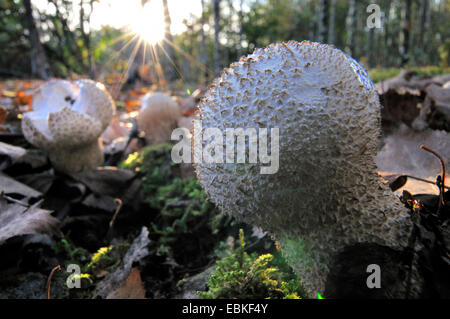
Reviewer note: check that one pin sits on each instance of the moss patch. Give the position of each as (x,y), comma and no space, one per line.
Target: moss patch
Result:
(247,276)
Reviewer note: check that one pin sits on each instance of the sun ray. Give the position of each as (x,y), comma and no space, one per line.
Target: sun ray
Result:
(202,66)
(118,86)
(171,60)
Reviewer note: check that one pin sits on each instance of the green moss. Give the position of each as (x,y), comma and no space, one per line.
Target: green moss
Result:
(380,74)
(247,276)
(66,250)
(150,158)
(184,215)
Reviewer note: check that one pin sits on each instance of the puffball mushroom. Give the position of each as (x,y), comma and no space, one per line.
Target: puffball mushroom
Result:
(327,194)
(67,120)
(158,117)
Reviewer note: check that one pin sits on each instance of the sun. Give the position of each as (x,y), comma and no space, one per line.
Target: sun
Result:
(149,24)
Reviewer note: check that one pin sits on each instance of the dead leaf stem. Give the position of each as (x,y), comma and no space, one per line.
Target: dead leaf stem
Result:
(49,280)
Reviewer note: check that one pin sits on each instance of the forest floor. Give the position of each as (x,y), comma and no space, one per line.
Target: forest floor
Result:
(141,226)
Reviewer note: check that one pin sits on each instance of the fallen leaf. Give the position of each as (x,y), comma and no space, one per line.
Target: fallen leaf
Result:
(16,220)
(7,93)
(401,153)
(132,105)
(23,99)
(11,151)
(107,180)
(9,185)
(3,115)
(395,181)
(10,154)
(131,288)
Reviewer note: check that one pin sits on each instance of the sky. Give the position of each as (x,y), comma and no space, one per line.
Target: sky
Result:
(120,13)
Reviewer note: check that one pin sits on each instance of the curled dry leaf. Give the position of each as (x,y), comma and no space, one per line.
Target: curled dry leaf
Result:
(131,288)
(395,181)
(9,185)
(18,220)
(11,151)
(11,154)
(109,181)
(401,153)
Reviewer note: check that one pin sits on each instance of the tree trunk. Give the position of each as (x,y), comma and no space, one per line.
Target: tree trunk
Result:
(387,36)
(203,53)
(331,24)
(168,51)
(217,55)
(39,63)
(423,31)
(322,21)
(351,24)
(370,49)
(240,17)
(87,36)
(405,34)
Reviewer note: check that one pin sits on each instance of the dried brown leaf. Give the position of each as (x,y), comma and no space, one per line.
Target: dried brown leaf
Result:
(131,288)
(18,220)
(395,181)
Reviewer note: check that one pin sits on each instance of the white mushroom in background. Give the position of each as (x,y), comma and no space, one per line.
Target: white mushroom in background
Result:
(158,117)
(326,194)
(67,120)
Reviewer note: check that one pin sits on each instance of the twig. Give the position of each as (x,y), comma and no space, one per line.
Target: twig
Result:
(424,180)
(119,206)
(440,181)
(49,280)
(110,232)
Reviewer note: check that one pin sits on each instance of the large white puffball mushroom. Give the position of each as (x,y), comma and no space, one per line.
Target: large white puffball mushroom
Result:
(326,194)
(158,117)
(67,120)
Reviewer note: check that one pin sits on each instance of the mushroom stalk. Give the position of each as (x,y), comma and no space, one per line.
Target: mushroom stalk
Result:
(84,157)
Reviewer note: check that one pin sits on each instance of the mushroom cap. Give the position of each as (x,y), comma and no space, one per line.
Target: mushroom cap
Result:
(158,117)
(67,120)
(68,115)
(326,193)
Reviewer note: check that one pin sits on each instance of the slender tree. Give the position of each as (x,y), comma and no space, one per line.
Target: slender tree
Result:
(203,53)
(351,28)
(424,27)
(370,49)
(331,24)
(85,18)
(322,21)
(405,33)
(240,19)
(168,56)
(217,55)
(39,63)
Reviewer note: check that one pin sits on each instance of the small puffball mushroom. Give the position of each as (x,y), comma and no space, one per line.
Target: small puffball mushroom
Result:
(67,120)
(326,194)
(158,117)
